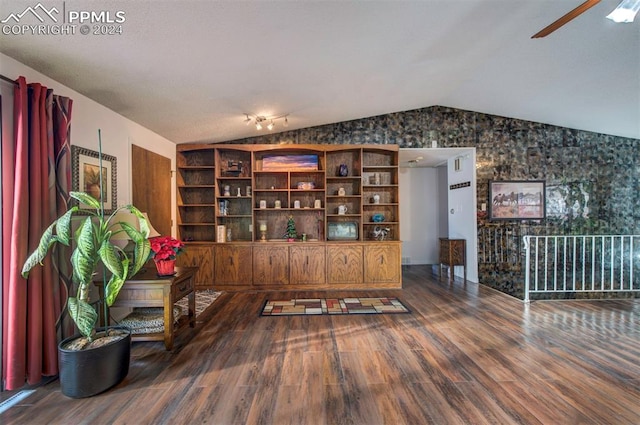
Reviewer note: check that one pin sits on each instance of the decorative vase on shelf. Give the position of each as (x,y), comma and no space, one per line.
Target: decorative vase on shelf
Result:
(343,170)
(377,218)
(165,267)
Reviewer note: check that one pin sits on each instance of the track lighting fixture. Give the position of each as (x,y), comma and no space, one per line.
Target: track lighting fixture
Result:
(259,119)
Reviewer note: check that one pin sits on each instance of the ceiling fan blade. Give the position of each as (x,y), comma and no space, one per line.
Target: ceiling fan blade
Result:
(566,18)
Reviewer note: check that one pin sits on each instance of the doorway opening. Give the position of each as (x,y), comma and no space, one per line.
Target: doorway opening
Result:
(438,199)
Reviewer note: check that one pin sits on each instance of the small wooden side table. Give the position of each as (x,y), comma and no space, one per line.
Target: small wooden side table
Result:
(147,289)
(453,253)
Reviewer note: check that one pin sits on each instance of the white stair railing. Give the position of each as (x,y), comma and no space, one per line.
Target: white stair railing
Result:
(581,264)
(499,245)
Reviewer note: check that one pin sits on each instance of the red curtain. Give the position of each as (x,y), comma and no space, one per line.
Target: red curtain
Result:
(30,204)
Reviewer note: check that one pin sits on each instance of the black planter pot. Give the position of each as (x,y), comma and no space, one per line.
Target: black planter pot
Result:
(86,373)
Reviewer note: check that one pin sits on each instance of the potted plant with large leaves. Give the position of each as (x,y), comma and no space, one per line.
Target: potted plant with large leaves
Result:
(87,365)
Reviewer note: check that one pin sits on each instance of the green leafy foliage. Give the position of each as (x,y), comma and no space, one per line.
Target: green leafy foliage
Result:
(113,288)
(92,247)
(84,316)
(86,199)
(36,257)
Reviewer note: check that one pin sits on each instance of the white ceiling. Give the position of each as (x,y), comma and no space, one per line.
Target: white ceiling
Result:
(189,70)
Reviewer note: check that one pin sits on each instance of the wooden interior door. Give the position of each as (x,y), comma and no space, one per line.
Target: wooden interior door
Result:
(151,187)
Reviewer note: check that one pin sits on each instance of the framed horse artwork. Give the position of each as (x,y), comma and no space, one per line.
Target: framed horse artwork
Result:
(517,200)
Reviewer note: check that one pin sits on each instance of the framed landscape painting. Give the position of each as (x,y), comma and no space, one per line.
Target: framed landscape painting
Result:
(85,176)
(290,163)
(517,200)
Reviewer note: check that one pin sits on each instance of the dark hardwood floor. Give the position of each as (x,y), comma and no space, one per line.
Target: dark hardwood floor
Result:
(465,355)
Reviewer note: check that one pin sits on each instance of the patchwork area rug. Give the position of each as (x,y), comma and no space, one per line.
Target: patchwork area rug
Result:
(145,320)
(314,306)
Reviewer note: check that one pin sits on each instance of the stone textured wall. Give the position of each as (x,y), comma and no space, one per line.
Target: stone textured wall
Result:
(593,180)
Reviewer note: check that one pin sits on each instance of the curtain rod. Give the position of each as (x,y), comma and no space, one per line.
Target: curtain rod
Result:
(8,80)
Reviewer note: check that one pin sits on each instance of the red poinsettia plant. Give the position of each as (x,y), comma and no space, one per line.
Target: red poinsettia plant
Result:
(165,248)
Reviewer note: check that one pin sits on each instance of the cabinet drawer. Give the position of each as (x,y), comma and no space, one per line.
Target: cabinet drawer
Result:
(181,289)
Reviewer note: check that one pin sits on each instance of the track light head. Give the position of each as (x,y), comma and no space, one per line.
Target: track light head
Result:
(270,126)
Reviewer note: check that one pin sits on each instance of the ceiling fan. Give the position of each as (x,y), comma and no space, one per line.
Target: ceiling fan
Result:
(625,12)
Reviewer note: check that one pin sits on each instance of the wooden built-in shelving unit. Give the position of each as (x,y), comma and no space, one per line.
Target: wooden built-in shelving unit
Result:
(231,186)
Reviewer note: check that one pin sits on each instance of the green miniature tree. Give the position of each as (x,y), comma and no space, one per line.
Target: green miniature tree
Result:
(291,229)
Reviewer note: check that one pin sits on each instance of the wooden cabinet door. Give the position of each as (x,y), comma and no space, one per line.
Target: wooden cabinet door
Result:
(200,256)
(382,263)
(270,265)
(307,264)
(232,265)
(151,187)
(344,264)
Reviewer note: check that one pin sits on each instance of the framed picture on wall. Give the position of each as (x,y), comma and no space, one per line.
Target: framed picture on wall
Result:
(290,163)
(517,200)
(85,176)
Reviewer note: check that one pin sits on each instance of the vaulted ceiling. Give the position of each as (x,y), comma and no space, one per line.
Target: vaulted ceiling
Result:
(189,70)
